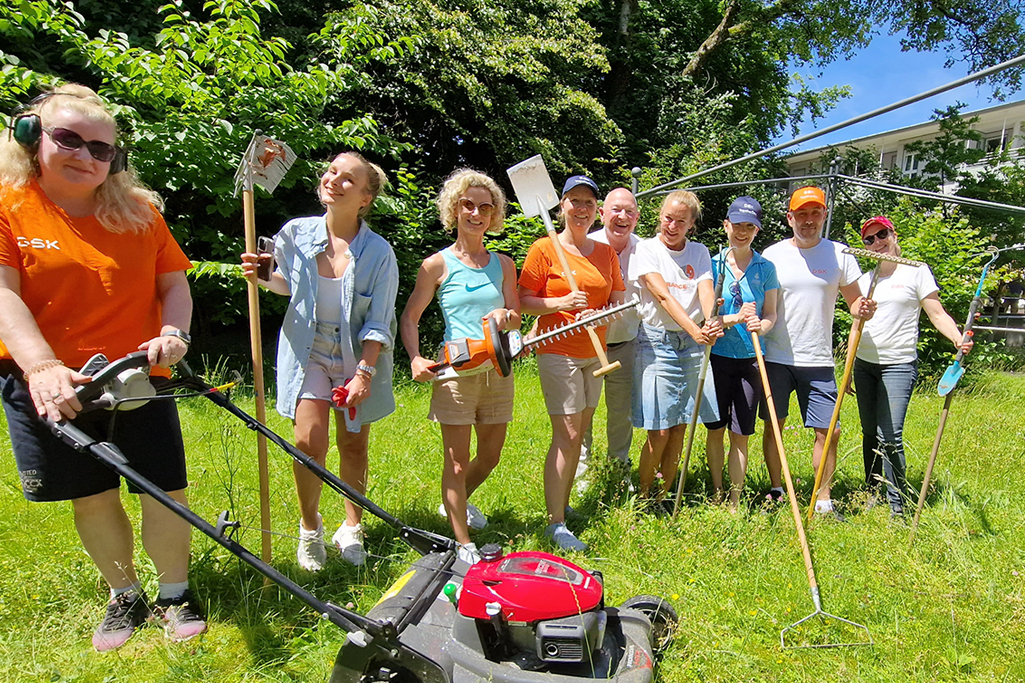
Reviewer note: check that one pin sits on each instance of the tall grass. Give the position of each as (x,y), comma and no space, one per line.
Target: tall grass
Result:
(951,608)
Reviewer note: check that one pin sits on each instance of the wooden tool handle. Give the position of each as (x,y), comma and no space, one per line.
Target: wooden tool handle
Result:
(599,349)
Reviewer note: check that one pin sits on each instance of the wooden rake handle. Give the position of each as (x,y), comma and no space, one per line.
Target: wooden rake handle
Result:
(606,367)
(778,436)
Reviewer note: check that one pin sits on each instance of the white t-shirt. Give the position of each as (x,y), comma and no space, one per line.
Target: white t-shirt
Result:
(682,270)
(891,336)
(623,328)
(809,281)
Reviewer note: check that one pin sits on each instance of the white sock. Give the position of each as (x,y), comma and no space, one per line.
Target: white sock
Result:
(823,506)
(114,592)
(169,591)
(777,489)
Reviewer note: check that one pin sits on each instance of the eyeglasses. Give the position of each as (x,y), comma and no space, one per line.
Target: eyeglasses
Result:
(738,298)
(70,140)
(483,209)
(881,235)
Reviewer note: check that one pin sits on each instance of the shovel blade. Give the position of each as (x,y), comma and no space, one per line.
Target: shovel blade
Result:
(950,378)
(533,186)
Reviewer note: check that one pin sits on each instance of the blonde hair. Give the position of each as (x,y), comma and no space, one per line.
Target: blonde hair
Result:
(456,184)
(377,179)
(123,202)
(688,199)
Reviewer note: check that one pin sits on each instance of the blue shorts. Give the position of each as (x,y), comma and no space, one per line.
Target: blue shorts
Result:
(666,372)
(816,393)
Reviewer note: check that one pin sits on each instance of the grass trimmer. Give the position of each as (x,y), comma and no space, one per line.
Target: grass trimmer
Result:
(852,351)
(950,379)
(534,189)
(693,426)
(796,511)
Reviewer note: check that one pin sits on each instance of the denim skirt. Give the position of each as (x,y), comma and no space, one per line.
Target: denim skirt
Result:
(666,372)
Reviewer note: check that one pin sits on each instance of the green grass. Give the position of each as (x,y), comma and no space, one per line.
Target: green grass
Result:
(949,609)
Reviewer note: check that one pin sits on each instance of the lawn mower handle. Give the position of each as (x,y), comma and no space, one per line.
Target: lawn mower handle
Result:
(109,454)
(422,541)
(92,390)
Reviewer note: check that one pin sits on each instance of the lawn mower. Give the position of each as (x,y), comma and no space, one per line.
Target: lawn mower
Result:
(521,617)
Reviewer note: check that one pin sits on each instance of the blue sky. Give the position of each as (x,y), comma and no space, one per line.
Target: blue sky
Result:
(880,75)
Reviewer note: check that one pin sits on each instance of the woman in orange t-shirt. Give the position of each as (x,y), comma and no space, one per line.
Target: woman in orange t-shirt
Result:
(88,266)
(566,367)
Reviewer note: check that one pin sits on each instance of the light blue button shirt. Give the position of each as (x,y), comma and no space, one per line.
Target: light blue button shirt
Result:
(369,288)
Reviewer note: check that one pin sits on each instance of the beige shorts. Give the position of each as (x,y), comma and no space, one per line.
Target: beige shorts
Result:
(568,384)
(484,399)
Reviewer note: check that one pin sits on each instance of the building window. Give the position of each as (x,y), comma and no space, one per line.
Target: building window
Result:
(910,164)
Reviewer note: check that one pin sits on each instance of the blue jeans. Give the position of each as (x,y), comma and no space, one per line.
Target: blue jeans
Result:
(884,392)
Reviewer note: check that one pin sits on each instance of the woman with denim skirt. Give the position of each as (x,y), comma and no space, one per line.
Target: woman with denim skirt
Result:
(341,279)
(675,279)
(886,365)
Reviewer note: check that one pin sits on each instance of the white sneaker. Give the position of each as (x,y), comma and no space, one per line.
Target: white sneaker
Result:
(564,538)
(475,519)
(468,553)
(349,540)
(311,553)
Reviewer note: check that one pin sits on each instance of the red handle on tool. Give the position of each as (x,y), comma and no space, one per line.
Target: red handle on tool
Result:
(339,395)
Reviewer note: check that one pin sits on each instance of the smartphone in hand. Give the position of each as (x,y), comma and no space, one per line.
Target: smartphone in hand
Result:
(265,263)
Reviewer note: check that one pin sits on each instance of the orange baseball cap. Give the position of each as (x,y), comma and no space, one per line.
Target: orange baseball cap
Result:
(807,195)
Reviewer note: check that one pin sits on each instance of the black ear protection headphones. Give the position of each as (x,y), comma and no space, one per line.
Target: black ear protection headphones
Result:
(27,130)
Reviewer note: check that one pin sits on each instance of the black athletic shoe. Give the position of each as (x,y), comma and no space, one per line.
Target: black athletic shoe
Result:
(181,616)
(125,613)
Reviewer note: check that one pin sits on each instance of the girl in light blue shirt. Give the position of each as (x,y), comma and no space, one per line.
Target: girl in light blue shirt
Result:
(339,330)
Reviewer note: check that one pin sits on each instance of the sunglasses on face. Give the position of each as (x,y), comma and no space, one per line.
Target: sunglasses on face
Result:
(881,235)
(70,140)
(483,209)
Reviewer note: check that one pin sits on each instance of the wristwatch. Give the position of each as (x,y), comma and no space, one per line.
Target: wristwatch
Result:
(368,369)
(180,334)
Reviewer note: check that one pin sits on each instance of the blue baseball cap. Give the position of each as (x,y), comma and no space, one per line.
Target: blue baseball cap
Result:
(745,210)
(577,181)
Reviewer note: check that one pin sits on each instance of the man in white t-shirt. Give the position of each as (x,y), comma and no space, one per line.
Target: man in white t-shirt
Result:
(619,215)
(799,350)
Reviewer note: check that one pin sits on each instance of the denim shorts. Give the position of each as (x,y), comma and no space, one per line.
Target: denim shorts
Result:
(666,372)
(326,368)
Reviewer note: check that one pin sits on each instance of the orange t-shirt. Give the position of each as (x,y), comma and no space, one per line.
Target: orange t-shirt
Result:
(598,276)
(90,290)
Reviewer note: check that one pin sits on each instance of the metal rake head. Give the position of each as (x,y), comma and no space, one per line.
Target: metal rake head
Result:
(865,253)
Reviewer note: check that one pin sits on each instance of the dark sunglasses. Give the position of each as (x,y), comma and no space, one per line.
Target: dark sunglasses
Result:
(70,140)
(881,235)
(483,209)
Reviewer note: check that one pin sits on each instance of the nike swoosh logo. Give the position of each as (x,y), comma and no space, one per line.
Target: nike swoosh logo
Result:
(474,289)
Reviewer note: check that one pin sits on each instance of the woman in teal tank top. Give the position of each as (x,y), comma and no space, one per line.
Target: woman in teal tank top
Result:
(472,284)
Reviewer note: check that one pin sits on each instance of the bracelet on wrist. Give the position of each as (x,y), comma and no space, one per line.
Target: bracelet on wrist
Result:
(43,365)
(368,370)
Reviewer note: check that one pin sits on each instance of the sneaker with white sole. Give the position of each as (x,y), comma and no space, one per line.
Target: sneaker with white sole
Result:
(311,553)
(564,538)
(468,553)
(125,613)
(181,616)
(349,540)
(475,519)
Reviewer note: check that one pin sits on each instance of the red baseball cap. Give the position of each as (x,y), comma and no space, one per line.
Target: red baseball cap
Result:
(807,195)
(881,220)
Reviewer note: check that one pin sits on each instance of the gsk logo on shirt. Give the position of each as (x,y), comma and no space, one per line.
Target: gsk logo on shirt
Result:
(37,243)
